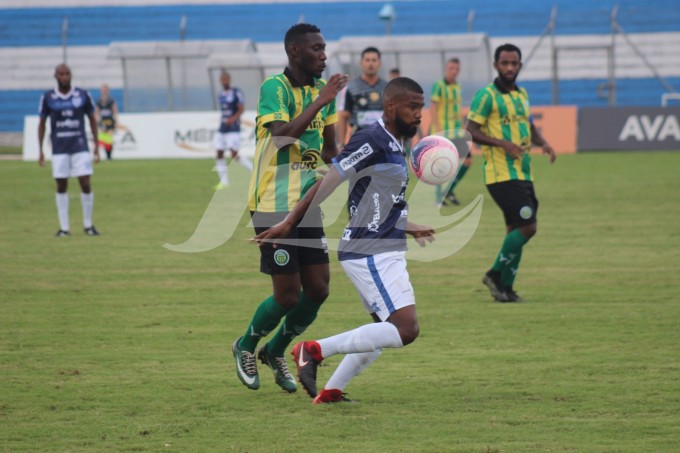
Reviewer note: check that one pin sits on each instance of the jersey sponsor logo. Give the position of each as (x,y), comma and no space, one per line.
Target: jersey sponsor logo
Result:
(525,212)
(69,124)
(281,257)
(310,160)
(356,157)
(644,128)
(374,225)
(317,123)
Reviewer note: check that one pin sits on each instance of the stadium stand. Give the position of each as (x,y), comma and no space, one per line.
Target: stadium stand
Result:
(30,40)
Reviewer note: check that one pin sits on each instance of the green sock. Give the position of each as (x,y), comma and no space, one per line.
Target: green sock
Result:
(459,176)
(297,320)
(510,272)
(512,247)
(266,318)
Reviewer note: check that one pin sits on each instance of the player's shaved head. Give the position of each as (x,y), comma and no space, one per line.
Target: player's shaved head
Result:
(61,68)
(400,87)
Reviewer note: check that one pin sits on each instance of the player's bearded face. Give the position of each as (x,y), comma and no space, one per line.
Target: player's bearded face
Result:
(508,66)
(404,128)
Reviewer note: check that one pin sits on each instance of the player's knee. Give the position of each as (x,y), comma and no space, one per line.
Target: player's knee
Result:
(287,300)
(318,294)
(529,231)
(409,333)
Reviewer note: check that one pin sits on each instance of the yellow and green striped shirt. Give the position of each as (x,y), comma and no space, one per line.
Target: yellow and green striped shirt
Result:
(504,116)
(281,177)
(449,103)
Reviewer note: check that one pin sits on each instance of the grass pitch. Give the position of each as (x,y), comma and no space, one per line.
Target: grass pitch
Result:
(118,344)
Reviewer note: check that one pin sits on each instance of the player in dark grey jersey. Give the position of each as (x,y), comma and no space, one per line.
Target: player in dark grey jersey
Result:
(363,98)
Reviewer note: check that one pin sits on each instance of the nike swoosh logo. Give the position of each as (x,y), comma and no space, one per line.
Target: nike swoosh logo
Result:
(301,361)
(249,380)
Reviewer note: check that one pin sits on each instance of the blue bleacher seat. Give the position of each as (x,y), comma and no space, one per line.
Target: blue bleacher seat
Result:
(98,26)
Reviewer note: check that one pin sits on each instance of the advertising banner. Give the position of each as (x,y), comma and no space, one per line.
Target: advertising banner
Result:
(629,129)
(176,135)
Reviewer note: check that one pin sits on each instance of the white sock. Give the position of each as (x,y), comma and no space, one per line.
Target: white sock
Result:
(245,162)
(62,210)
(351,366)
(221,167)
(87,199)
(367,338)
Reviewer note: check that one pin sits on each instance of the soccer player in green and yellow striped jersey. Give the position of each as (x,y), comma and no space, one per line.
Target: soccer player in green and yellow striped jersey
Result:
(500,121)
(295,132)
(446,117)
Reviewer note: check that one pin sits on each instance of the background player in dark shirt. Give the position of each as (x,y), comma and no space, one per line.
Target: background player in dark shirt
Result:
(106,112)
(67,107)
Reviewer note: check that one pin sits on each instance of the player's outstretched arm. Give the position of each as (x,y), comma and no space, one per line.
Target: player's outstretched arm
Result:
(321,190)
(421,233)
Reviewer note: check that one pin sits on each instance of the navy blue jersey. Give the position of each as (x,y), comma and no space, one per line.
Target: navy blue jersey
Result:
(373,162)
(67,114)
(230,100)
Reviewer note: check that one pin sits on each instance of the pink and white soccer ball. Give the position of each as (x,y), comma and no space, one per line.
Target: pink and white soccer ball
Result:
(434,160)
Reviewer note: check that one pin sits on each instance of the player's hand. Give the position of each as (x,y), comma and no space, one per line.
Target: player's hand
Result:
(41,159)
(333,86)
(515,151)
(547,149)
(96,156)
(269,236)
(423,234)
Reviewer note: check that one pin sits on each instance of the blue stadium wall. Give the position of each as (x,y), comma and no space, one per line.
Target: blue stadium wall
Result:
(30,27)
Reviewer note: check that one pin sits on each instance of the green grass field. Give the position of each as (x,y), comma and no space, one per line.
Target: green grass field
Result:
(115,343)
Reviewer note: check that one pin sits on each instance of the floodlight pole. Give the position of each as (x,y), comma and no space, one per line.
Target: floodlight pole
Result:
(387,14)
(183,28)
(64,39)
(548,30)
(470,20)
(617,28)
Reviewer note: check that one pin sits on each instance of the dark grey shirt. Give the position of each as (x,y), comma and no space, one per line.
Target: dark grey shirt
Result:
(364,102)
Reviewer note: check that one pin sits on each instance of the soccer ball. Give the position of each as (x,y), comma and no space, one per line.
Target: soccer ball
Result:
(434,160)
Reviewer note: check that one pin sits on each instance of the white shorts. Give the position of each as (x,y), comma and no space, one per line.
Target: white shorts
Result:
(382,282)
(66,166)
(227,141)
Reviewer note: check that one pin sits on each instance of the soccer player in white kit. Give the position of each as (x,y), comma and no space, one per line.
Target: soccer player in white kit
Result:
(373,247)
(67,107)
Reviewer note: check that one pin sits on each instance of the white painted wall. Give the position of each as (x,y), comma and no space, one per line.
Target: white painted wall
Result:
(33,67)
